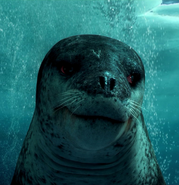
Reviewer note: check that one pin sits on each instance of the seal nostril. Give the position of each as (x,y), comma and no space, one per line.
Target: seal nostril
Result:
(102,81)
(112,84)
(107,84)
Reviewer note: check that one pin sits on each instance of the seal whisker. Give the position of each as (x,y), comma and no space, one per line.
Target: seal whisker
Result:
(137,105)
(66,102)
(133,113)
(135,108)
(70,92)
(68,97)
(77,107)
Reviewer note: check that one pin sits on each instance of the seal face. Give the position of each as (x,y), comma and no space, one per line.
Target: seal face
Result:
(88,126)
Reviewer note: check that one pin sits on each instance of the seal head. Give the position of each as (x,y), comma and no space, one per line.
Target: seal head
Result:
(88,126)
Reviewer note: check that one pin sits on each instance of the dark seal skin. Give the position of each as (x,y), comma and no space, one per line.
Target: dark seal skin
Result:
(88,127)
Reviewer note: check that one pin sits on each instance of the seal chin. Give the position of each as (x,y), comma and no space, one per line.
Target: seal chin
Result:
(92,132)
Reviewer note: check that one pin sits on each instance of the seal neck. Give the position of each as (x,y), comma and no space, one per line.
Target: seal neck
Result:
(80,164)
(120,159)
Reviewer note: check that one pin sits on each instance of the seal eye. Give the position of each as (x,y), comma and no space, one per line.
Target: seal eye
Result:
(130,78)
(67,70)
(133,79)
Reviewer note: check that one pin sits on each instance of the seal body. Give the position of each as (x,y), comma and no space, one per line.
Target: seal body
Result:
(88,127)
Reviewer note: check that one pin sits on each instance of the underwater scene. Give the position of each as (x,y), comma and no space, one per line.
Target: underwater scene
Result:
(29,29)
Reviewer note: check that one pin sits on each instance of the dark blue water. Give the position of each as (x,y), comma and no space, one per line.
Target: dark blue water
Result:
(28,29)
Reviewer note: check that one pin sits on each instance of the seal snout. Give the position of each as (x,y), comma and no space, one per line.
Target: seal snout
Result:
(107,83)
(109,108)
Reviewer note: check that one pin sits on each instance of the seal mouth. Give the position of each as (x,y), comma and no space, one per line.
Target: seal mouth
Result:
(95,117)
(91,116)
(99,118)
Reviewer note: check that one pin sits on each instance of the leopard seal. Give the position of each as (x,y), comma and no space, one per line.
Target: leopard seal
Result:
(88,127)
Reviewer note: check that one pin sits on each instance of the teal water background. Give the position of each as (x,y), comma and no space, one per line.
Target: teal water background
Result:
(28,29)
